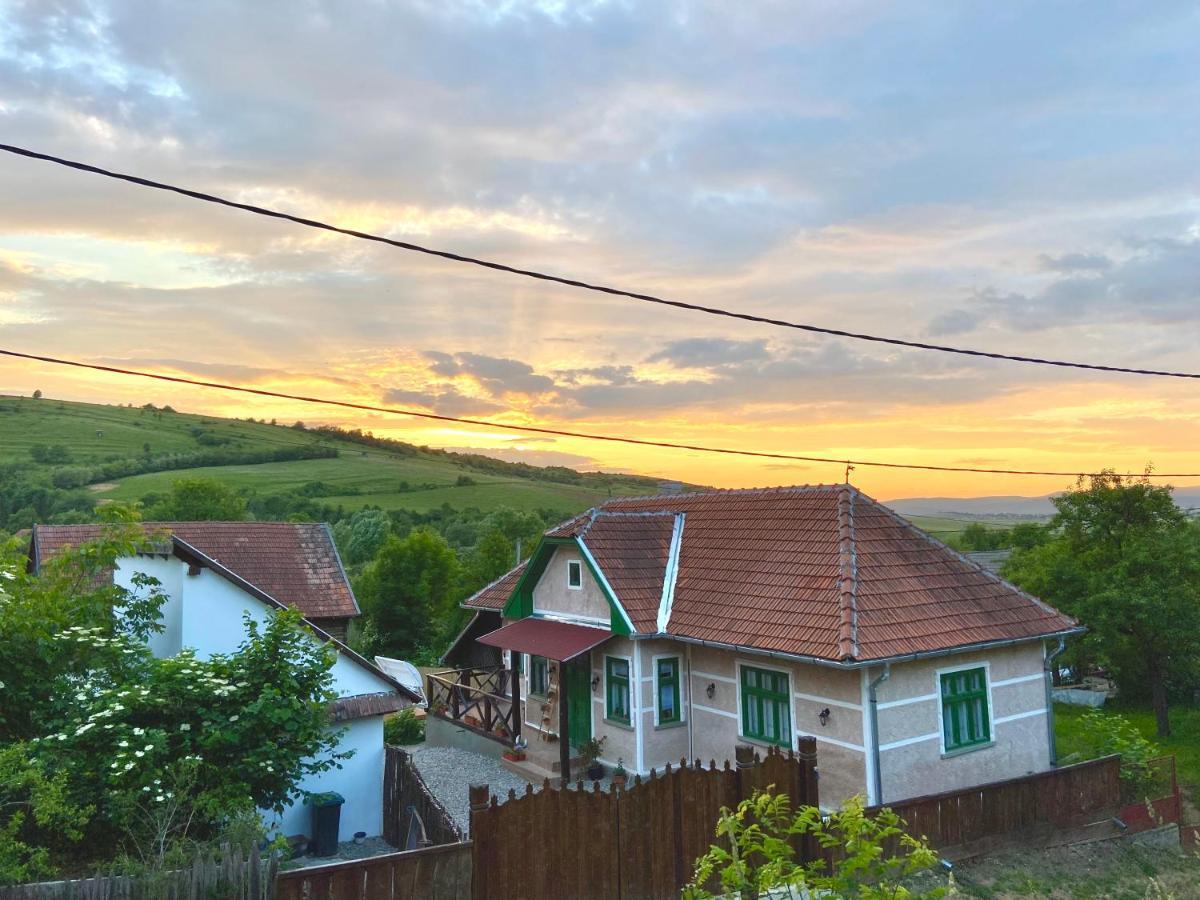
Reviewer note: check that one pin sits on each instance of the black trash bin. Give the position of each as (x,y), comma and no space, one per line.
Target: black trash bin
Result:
(326,817)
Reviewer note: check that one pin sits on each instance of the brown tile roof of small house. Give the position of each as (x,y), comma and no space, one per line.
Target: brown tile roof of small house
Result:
(295,563)
(822,571)
(496,594)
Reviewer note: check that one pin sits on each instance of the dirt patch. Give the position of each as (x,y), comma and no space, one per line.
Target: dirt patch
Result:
(103,486)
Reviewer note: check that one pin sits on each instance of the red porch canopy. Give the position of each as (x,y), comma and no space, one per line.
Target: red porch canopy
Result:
(560,641)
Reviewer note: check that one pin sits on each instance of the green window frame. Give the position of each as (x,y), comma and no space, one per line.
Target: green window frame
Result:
(616,689)
(539,675)
(666,690)
(966,718)
(766,705)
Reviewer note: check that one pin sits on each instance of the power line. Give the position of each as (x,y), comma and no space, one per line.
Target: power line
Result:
(533,429)
(584,285)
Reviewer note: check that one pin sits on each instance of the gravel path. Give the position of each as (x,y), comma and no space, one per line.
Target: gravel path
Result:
(449,772)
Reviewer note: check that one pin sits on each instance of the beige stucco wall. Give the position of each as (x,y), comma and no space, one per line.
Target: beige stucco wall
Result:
(716,724)
(552,596)
(911,759)
(620,741)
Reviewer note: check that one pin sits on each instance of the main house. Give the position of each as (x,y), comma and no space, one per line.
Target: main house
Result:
(678,626)
(213,573)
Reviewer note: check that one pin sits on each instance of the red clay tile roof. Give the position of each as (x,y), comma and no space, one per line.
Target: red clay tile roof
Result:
(631,549)
(821,571)
(496,594)
(293,562)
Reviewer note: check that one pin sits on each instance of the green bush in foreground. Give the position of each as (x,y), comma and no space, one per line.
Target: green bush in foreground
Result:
(755,857)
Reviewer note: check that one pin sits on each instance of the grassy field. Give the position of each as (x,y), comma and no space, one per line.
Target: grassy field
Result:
(1184,741)
(359,476)
(941,527)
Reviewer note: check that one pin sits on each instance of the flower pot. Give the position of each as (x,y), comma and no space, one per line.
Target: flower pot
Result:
(595,771)
(619,781)
(514,755)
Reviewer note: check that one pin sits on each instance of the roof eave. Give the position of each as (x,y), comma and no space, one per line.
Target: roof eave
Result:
(854,664)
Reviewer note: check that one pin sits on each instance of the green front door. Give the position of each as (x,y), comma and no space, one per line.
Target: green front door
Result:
(579,701)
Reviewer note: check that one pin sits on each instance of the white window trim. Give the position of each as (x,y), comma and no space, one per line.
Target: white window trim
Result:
(679,679)
(739,664)
(577,565)
(987,680)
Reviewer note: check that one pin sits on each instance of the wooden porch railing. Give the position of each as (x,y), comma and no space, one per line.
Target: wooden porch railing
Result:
(478,699)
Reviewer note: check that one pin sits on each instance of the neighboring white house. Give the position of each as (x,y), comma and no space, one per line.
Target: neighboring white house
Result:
(680,625)
(215,572)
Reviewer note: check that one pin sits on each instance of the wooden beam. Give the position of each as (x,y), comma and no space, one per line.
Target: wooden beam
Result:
(564,734)
(515,676)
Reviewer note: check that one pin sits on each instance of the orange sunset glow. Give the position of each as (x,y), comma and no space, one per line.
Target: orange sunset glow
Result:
(1045,216)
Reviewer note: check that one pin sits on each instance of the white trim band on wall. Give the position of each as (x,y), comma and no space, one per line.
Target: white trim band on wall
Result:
(813,698)
(715,712)
(1028,714)
(1020,679)
(912,740)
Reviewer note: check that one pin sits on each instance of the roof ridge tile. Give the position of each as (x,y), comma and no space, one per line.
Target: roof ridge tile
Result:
(848,571)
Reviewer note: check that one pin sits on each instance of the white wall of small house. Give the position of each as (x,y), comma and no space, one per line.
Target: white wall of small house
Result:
(169,572)
(360,781)
(205,612)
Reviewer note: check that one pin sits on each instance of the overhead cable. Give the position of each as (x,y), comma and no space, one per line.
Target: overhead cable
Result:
(584,285)
(533,429)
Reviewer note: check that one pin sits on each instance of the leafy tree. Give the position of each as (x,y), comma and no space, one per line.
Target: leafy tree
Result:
(200,500)
(755,857)
(360,537)
(37,395)
(407,594)
(1125,560)
(105,747)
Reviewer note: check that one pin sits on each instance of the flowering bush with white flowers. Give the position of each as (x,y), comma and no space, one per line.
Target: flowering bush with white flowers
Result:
(147,754)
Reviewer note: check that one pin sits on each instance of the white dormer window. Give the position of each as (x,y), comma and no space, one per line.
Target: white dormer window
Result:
(574,574)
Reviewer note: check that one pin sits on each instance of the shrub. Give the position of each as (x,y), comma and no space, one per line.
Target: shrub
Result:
(1110,733)
(756,858)
(403,729)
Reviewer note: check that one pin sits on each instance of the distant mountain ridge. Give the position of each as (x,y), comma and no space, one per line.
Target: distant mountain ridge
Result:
(1004,506)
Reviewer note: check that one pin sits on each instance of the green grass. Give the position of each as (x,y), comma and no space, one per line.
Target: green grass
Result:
(1184,741)
(368,475)
(942,527)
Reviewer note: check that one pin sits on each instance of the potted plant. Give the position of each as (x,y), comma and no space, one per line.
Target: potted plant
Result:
(589,755)
(516,753)
(619,775)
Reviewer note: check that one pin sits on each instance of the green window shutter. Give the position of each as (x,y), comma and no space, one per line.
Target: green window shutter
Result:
(667,690)
(766,706)
(616,679)
(966,719)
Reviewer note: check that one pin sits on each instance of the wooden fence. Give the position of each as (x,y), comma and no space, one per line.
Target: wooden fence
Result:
(640,842)
(435,873)
(1059,798)
(237,875)
(412,816)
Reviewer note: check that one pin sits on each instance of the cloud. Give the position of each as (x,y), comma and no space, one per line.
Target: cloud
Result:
(444,401)
(496,374)
(1075,262)
(707,352)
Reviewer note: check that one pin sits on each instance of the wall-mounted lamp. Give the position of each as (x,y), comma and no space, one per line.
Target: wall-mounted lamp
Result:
(711,690)
(823,715)
(595,683)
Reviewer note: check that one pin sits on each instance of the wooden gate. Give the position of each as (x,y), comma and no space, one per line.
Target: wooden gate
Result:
(635,843)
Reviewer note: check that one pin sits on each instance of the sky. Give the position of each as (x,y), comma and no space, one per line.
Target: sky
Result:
(1016,177)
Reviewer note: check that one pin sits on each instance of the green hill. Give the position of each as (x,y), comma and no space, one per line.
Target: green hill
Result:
(127,453)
